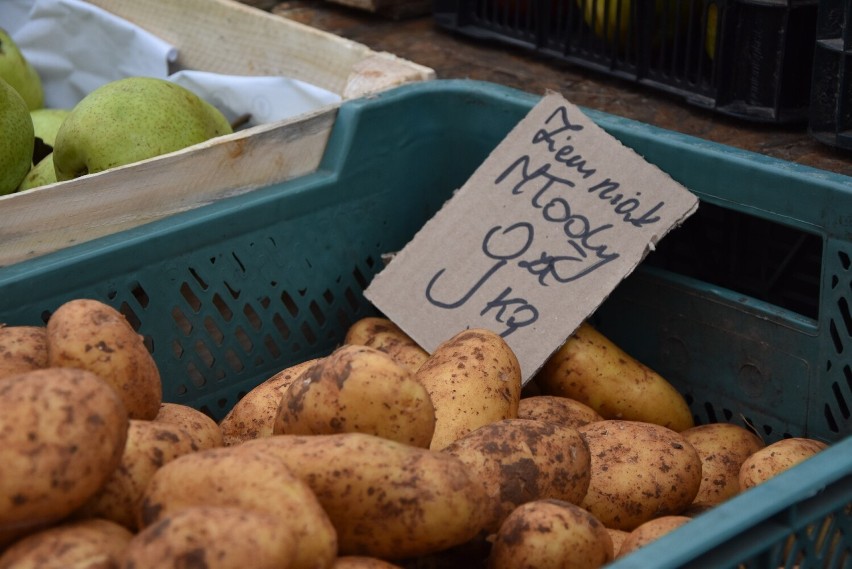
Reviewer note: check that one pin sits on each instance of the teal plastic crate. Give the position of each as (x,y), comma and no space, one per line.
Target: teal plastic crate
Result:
(745,309)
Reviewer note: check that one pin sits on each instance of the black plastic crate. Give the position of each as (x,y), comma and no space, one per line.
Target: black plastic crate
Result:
(831,92)
(750,59)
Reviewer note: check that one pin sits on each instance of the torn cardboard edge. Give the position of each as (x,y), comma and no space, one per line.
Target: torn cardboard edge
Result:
(536,239)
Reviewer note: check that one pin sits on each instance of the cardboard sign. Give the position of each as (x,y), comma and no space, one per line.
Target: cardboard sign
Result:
(535,240)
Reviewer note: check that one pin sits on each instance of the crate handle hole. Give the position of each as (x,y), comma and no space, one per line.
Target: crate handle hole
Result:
(197,277)
(845,315)
(289,304)
(222,307)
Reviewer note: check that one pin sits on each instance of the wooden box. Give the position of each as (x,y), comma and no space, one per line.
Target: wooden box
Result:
(221,36)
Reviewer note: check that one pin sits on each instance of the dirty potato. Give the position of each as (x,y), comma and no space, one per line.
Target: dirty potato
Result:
(22,349)
(62,434)
(592,369)
(473,379)
(253,416)
(88,334)
(640,471)
(650,531)
(384,335)
(775,458)
(523,460)
(358,389)
(617,536)
(81,544)
(248,478)
(558,410)
(386,499)
(362,562)
(723,447)
(203,430)
(211,537)
(550,534)
(149,446)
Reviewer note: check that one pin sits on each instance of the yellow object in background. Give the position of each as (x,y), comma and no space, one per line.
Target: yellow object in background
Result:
(612,14)
(611,19)
(712,24)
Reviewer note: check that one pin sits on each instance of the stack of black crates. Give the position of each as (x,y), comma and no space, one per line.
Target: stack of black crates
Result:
(831,101)
(746,58)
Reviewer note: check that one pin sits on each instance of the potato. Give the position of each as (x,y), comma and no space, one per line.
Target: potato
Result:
(472,553)
(640,471)
(617,536)
(203,430)
(473,379)
(650,531)
(358,389)
(558,410)
(723,447)
(361,562)
(550,534)
(81,544)
(62,433)
(149,446)
(386,499)
(384,335)
(91,335)
(522,460)
(593,370)
(253,416)
(214,538)
(248,478)
(775,458)
(22,349)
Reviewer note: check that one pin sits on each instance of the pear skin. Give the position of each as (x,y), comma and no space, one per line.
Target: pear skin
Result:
(17,142)
(129,120)
(46,123)
(19,73)
(42,174)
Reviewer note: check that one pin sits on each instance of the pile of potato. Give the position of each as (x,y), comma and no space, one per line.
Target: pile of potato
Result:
(376,455)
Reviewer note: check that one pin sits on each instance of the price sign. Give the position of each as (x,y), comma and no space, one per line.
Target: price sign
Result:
(535,240)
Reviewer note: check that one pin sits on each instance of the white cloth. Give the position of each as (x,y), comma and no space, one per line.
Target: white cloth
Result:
(76,47)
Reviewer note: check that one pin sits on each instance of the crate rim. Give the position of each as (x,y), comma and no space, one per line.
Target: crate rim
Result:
(350,112)
(728,519)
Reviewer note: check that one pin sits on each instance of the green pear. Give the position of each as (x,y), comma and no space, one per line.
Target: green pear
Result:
(41,174)
(46,123)
(18,72)
(16,143)
(129,120)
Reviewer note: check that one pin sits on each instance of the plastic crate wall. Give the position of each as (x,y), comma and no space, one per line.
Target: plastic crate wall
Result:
(228,294)
(743,58)
(830,119)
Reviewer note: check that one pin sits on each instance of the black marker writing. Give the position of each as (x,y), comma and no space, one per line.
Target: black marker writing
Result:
(556,180)
(521,306)
(549,192)
(563,154)
(523,233)
(625,206)
(539,174)
(514,240)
